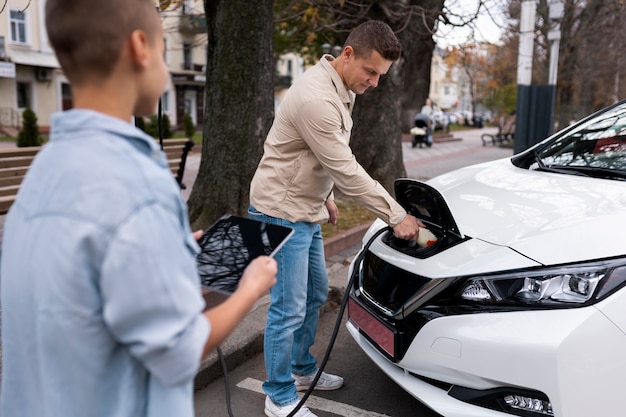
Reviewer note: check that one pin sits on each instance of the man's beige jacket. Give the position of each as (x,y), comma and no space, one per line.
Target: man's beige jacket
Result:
(307,152)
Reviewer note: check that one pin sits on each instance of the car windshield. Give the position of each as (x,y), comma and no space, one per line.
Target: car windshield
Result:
(595,147)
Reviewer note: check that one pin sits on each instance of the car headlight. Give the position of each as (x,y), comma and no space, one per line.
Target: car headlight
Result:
(571,284)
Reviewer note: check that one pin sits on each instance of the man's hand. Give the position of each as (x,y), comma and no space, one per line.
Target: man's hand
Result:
(333,211)
(197,234)
(408,229)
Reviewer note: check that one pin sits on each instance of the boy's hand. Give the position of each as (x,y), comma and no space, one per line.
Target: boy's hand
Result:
(259,276)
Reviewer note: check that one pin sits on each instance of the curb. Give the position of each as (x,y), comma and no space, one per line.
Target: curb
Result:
(343,241)
(246,340)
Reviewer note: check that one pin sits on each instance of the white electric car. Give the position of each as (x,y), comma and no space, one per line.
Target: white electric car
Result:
(519,307)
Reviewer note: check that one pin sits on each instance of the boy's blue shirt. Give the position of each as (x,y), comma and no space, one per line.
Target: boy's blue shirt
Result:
(101,301)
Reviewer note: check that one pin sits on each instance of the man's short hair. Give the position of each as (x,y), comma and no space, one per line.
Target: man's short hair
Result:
(374,35)
(87,35)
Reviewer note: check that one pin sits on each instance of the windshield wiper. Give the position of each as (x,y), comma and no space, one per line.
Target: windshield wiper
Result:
(560,170)
(595,172)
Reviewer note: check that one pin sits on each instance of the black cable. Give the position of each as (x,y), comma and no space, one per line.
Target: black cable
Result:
(226,382)
(344,303)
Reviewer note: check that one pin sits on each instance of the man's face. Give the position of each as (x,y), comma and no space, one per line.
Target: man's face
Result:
(364,72)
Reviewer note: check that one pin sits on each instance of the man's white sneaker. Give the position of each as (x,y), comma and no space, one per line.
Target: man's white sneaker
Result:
(273,410)
(327,382)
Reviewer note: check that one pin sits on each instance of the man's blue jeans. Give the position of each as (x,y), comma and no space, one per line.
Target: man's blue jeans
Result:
(295,301)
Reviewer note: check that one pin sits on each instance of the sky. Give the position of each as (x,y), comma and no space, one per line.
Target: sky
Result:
(485,27)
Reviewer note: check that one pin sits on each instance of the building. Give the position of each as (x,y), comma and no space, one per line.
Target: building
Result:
(30,75)
(29,72)
(186,51)
(449,87)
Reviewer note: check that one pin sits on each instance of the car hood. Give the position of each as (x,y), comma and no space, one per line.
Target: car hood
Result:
(550,218)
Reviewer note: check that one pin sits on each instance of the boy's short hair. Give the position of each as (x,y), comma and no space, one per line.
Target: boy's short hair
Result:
(87,35)
(374,35)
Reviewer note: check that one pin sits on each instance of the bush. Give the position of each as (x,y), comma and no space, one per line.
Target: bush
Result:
(153,127)
(29,135)
(188,126)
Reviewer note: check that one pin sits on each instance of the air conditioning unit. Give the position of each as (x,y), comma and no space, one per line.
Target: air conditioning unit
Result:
(43,74)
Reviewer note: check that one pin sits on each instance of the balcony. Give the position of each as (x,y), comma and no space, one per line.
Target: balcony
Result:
(192,24)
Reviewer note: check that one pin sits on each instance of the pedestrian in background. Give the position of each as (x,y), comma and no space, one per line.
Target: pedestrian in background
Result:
(306,154)
(102,313)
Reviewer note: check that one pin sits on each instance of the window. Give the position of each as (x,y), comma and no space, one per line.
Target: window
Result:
(23,95)
(17,23)
(66,97)
(187,56)
(165,102)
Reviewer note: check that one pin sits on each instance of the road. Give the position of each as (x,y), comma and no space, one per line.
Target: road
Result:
(367,391)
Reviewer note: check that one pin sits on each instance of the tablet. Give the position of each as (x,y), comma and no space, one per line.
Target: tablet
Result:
(228,247)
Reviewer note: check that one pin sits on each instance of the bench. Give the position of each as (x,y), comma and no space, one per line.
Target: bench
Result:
(14,163)
(506,132)
(176,151)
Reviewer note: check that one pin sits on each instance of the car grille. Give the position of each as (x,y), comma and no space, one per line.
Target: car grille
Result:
(389,287)
(386,305)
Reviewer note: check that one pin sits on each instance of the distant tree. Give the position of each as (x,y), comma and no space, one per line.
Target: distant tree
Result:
(29,134)
(590,74)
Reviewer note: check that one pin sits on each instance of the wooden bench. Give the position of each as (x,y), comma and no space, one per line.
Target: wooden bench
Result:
(506,132)
(176,151)
(14,163)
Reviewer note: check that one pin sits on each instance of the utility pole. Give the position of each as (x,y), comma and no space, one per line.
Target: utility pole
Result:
(535,103)
(555,14)
(524,74)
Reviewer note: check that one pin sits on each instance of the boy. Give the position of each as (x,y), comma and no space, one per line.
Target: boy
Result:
(102,310)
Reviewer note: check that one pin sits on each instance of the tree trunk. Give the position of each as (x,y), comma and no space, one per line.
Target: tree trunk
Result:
(239,106)
(382,114)
(417,53)
(376,137)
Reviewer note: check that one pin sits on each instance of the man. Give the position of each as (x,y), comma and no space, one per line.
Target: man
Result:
(306,154)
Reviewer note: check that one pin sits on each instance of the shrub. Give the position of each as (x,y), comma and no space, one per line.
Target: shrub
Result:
(29,135)
(188,126)
(153,127)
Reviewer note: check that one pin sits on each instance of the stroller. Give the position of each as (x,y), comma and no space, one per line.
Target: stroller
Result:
(422,132)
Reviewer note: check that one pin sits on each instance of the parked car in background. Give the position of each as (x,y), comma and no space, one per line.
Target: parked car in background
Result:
(517,306)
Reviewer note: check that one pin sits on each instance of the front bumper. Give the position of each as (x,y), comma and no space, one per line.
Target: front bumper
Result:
(574,356)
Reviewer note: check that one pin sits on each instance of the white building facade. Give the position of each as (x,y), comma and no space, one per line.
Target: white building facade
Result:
(30,75)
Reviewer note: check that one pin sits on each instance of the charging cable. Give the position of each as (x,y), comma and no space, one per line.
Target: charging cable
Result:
(344,303)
